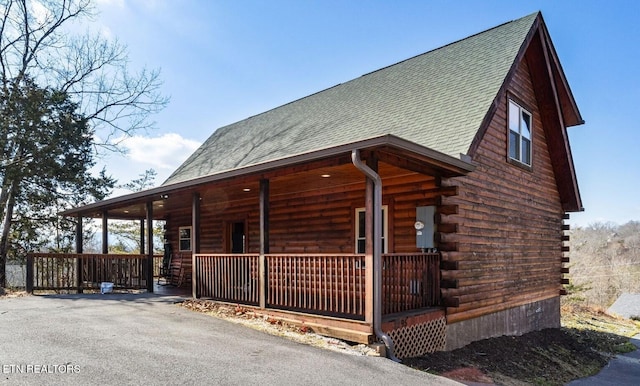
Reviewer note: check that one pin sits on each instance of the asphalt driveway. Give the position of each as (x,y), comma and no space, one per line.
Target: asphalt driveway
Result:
(147,339)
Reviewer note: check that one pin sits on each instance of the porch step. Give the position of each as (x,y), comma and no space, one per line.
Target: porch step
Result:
(327,326)
(342,333)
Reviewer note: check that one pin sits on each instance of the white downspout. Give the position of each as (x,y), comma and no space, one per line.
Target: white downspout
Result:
(377,253)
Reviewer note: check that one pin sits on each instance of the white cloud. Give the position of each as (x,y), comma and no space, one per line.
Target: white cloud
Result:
(153,5)
(108,13)
(106,33)
(118,5)
(110,3)
(164,152)
(40,12)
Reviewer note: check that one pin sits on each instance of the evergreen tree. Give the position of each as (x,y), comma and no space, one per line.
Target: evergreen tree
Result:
(63,98)
(47,155)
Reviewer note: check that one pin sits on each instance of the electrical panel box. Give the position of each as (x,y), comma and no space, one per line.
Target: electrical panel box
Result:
(425,226)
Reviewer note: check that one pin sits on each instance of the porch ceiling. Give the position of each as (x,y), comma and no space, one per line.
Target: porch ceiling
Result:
(326,178)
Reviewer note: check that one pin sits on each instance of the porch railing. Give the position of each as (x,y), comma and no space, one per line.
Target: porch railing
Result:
(410,281)
(327,284)
(231,278)
(324,284)
(157,265)
(73,271)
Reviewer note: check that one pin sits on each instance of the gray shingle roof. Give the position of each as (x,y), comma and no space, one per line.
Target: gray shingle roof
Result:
(437,100)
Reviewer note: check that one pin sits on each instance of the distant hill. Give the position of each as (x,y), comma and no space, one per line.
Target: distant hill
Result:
(604,262)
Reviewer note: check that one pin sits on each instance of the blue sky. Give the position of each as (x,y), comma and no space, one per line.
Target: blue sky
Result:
(223,61)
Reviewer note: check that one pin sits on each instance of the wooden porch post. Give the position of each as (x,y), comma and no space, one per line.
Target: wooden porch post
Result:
(29,278)
(79,236)
(264,242)
(195,240)
(149,273)
(368,250)
(142,249)
(105,232)
(79,250)
(195,223)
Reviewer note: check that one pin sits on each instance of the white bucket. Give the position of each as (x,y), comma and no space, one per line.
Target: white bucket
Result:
(106,287)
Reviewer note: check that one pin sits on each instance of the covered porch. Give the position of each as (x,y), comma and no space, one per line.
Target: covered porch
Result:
(346,240)
(327,292)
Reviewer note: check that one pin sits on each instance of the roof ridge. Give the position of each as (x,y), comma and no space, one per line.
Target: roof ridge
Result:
(452,43)
(384,68)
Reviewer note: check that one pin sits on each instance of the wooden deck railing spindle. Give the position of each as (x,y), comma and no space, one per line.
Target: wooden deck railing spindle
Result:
(64,271)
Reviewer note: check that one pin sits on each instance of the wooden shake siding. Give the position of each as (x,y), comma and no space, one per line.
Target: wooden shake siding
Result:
(508,248)
(318,221)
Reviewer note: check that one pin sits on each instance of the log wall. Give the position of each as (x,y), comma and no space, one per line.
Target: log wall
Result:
(317,221)
(508,247)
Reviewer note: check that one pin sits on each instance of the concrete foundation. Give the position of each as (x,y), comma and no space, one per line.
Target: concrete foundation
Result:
(514,321)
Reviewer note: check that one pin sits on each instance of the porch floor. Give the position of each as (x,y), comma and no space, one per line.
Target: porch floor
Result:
(411,318)
(170,290)
(412,313)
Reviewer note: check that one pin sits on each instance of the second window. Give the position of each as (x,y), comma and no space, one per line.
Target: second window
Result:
(519,134)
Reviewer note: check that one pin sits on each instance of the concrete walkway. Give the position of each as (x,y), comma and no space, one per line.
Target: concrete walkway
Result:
(623,370)
(147,339)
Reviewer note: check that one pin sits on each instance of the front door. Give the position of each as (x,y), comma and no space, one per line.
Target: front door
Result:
(238,238)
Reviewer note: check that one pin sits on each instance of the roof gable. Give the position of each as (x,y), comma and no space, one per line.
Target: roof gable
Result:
(437,100)
(555,100)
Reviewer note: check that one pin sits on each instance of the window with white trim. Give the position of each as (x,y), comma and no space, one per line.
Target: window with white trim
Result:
(184,238)
(520,129)
(360,230)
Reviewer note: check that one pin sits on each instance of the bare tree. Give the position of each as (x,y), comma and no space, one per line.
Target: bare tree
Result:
(39,50)
(36,42)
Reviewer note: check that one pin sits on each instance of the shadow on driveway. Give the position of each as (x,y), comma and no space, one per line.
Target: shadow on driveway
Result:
(141,298)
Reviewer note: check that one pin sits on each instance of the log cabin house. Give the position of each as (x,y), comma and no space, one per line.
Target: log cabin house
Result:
(421,205)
